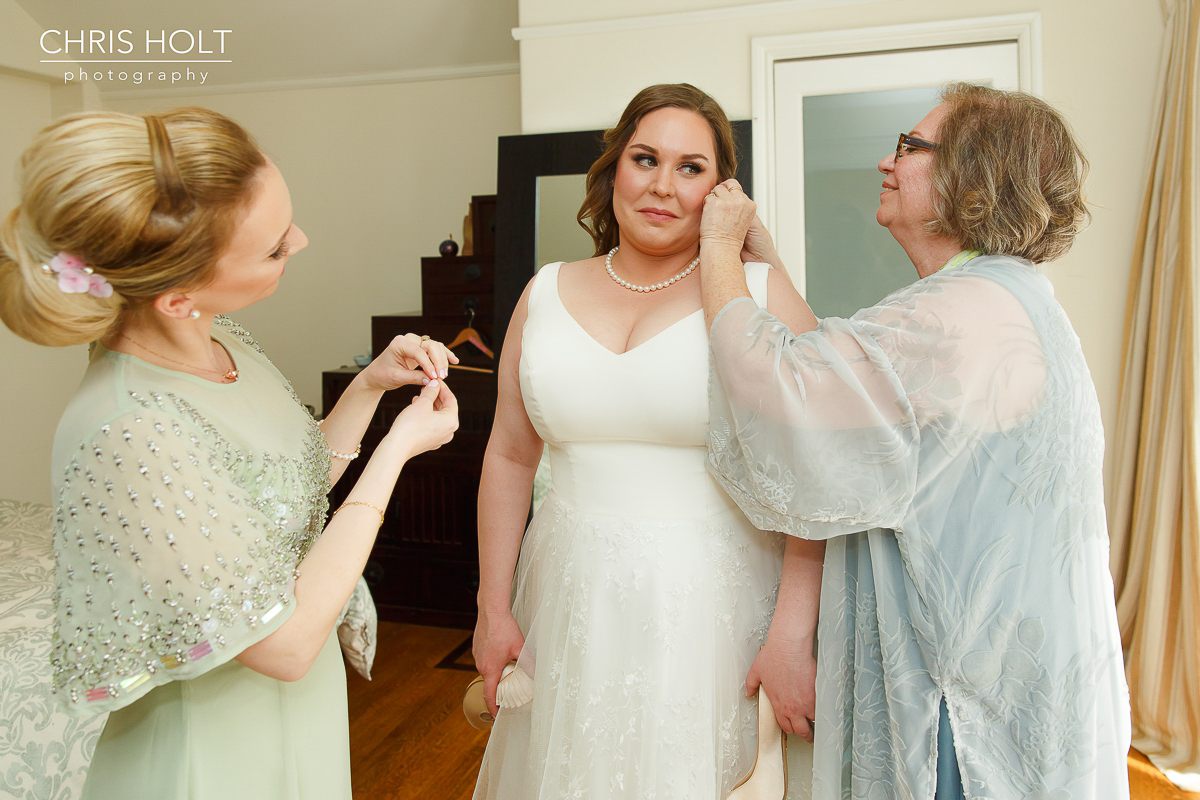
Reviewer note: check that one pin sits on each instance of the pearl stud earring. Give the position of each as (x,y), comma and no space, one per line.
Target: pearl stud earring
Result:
(195,314)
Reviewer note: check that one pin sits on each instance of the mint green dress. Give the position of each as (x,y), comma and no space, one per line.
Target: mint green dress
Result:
(183,509)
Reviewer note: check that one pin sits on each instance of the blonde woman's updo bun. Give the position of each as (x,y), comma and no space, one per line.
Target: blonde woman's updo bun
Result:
(148,203)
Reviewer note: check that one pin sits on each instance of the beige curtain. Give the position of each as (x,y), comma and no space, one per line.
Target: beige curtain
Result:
(1155,522)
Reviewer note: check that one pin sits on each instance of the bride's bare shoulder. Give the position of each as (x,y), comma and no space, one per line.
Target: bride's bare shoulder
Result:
(581,272)
(586,264)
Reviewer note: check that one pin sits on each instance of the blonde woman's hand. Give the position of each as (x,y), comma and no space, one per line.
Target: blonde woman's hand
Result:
(728,215)
(408,359)
(429,422)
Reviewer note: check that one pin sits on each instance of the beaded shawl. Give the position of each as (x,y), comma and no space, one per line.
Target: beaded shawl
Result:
(182,509)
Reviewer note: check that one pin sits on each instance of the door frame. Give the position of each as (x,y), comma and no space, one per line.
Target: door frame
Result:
(1024,29)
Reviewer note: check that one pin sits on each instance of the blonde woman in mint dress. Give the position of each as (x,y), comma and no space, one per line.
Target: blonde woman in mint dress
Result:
(198,584)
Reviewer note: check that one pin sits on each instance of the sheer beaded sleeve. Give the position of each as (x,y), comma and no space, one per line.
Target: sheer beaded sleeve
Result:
(178,539)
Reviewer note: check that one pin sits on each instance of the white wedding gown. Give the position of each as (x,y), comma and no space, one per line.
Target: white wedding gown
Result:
(643,592)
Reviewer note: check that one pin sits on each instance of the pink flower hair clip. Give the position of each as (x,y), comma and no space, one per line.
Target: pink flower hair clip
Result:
(75,278)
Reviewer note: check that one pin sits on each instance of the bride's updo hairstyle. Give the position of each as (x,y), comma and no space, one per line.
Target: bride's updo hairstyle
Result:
(148,203)
(596,214)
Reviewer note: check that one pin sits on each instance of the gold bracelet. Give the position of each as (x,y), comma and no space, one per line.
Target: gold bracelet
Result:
(378,510)
(346,456)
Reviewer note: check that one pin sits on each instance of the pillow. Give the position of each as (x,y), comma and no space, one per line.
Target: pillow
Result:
(358,628)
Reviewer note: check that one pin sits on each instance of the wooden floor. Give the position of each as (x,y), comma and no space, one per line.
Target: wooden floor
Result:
(1146,782)
(408,735)
(409,738)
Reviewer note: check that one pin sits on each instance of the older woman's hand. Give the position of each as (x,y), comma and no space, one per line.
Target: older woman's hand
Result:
(409,359)
(788,672)
(759,246)
(728,216)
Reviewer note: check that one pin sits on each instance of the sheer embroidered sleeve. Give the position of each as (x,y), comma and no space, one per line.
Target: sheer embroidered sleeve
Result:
(177,548)
(831,432)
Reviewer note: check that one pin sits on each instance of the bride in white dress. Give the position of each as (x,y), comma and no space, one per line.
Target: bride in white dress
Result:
(641,593)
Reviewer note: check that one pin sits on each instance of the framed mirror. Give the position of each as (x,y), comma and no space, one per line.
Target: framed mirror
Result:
(539,188)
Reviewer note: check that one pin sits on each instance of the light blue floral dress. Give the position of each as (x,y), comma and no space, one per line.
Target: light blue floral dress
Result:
(948,444)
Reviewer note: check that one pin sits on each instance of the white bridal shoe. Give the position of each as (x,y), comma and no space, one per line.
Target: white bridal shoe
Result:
(767,779)
(515,689)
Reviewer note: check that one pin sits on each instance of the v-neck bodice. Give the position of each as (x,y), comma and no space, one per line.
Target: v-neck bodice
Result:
(633,423)
(699,312)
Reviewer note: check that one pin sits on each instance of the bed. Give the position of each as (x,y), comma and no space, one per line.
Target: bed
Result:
(44,752)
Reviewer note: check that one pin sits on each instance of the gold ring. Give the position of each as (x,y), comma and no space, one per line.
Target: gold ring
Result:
(424,338)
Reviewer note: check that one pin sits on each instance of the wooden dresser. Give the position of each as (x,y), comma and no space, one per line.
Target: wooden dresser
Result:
(424,567)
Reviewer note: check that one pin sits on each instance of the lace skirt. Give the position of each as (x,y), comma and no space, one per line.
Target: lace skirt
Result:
(639,633)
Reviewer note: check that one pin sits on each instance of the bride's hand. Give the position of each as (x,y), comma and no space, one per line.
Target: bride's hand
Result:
(728,215)
(497,641)
(408,359)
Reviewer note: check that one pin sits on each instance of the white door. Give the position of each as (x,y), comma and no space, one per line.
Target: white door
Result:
(831,117)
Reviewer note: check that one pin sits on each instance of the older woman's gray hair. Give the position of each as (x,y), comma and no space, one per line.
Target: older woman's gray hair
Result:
(1008,175)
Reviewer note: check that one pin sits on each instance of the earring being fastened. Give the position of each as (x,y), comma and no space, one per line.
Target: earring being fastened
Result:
(654,287)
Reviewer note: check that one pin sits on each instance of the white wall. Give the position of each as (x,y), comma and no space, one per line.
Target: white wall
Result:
(37,381)
(379,175)
(1099,68)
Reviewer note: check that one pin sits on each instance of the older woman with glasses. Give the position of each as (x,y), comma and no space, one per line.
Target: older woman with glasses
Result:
(947,446)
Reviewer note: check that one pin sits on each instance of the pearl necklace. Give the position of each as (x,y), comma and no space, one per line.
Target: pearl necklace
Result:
(653,287)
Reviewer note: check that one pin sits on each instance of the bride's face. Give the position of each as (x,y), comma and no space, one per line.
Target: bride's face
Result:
(662,176)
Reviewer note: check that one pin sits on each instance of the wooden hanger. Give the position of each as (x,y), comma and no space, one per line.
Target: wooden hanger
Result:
(470,335)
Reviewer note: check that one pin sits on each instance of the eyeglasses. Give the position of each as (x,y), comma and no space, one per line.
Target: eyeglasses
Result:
(909,144)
